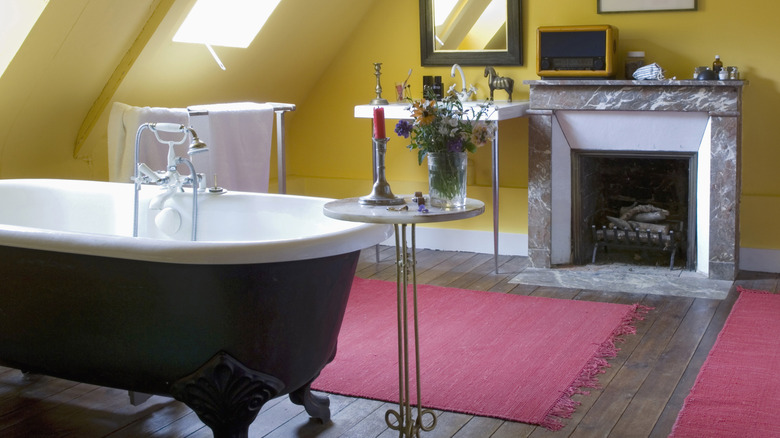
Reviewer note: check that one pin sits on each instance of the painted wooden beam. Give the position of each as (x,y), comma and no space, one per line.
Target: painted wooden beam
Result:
(460,21)
(159,10)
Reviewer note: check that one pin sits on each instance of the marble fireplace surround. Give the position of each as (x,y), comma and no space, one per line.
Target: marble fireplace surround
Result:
(701,117)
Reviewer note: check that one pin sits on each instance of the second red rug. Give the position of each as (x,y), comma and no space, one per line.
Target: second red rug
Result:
(738,387)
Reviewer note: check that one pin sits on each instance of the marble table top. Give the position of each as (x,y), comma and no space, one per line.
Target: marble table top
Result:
(351,210)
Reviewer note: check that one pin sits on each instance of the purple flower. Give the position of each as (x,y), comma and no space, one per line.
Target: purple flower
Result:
(455,145)
(403,128)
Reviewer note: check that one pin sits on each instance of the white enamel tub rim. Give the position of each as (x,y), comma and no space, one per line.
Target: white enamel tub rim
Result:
(340,237)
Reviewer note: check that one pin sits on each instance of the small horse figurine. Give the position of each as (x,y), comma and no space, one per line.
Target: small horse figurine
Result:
(497,82)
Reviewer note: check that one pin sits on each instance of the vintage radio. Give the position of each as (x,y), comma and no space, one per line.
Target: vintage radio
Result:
(576,51)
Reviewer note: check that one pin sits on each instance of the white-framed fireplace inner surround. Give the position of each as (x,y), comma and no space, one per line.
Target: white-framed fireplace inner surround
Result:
(699,117)
(626,131)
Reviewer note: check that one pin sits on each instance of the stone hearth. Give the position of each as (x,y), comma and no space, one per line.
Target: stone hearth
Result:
(698,117)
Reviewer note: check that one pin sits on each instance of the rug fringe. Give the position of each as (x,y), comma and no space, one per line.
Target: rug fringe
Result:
(588,377)
(741,289)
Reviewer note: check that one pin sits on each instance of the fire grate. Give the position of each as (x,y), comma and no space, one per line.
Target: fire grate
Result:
(661,240)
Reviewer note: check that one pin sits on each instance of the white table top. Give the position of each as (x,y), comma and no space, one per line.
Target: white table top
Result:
(504,110)
(351,210)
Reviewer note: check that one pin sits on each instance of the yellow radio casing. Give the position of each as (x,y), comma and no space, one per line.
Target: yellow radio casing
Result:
(586,51)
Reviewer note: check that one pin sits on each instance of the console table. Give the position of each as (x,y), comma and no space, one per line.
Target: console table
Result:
(504,111)
(401,216)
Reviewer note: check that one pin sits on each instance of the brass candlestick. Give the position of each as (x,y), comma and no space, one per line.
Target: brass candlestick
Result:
(378,100)
(381,194)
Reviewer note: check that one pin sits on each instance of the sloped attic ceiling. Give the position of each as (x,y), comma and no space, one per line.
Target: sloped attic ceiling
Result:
(75,47)
(56,75)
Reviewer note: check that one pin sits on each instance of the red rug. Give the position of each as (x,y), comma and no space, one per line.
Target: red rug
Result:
(737,391)
(512,357)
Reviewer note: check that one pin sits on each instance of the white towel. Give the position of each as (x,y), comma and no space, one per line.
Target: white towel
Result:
(123,123)
(239,139)
(651,71)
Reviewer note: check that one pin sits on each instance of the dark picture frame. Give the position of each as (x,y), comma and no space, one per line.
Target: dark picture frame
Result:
(615,6)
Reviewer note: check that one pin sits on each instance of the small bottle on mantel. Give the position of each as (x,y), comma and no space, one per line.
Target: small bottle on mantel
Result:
(634,60)
(717,65)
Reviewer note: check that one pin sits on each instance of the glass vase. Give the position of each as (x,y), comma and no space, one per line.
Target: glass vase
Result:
(447,178)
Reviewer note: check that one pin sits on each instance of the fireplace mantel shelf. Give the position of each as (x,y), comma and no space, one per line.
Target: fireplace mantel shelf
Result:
(646,83)
(719,98)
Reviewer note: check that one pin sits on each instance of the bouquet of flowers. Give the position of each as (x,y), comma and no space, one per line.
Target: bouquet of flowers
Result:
(445,132)
(446,126)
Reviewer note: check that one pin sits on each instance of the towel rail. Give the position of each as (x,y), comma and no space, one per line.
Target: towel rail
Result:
(281,139)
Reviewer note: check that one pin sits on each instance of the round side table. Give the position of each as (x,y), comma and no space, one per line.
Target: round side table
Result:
(402,216)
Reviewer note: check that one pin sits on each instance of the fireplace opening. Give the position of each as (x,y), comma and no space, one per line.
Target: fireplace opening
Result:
(634,208)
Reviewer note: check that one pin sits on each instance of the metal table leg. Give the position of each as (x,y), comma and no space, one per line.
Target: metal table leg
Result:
(495,200)
(403,420)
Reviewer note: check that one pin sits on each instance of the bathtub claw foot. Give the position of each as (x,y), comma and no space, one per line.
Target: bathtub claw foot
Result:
(317,406)
(226,395)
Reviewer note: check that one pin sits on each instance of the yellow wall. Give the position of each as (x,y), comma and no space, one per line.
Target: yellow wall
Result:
(333,152)
(319,55)
(337,160)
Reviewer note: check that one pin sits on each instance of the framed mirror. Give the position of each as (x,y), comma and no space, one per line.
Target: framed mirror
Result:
(470,32)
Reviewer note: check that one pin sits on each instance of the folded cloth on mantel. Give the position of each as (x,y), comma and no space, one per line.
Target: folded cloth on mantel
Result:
(123,123)
(239,139)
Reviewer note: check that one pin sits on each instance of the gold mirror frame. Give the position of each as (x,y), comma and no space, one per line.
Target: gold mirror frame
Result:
(512,56)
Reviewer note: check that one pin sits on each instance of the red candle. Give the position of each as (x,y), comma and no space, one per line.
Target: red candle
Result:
(379,122)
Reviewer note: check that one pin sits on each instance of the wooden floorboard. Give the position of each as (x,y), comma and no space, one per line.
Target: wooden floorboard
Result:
(646,406)
(641,392)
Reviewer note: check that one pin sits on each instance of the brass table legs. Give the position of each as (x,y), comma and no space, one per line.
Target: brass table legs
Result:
(404,421)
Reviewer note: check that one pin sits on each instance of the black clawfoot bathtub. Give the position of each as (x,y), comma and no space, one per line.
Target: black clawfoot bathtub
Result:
(222,325)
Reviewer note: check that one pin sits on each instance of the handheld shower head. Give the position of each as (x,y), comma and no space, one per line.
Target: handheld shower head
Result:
(197,144)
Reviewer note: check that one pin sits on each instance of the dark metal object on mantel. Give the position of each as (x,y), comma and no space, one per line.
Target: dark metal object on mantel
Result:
(707,75)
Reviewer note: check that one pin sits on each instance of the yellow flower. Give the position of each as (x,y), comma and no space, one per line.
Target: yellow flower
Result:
(424,112)
(482,133)
(444,126)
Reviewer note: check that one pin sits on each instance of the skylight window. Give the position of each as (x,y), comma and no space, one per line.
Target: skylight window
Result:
(17,18)
(230,23)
